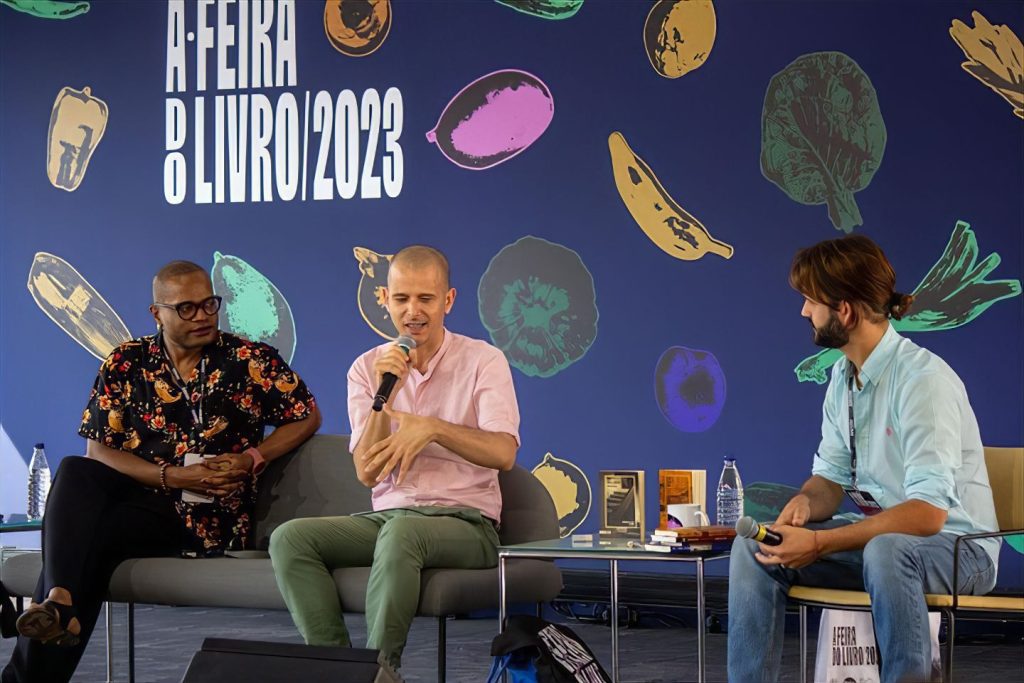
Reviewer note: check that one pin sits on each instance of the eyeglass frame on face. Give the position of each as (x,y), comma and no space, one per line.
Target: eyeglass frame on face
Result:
(179,307)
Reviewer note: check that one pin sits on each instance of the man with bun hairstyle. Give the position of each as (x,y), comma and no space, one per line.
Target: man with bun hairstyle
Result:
(899,438)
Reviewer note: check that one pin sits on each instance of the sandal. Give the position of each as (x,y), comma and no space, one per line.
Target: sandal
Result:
(48,623)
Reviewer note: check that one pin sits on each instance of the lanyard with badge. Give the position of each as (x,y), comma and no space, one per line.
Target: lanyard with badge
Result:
(195,408)
(864,501)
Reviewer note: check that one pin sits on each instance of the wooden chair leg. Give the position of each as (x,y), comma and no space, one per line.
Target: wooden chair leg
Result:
(442,646)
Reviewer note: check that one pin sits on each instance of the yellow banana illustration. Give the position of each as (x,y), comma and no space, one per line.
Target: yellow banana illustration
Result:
(69,300)
(667,224)
(163,390)
(114,420)
(283,385)
(218,426)
(133,440)
(254,371)
(995,56)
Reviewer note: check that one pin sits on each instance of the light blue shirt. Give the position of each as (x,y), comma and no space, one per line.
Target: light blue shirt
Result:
(917,437)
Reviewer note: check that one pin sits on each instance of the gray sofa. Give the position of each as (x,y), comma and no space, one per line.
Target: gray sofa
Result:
(316,480)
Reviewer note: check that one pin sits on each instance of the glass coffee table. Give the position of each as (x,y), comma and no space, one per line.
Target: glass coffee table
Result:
(614,552)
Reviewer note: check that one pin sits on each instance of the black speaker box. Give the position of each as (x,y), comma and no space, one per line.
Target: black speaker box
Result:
(221,660)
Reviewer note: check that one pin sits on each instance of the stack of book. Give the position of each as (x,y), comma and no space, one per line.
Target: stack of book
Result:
(692,539)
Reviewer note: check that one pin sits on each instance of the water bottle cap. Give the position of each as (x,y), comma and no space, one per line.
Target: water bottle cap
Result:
(730,458)
(39,445)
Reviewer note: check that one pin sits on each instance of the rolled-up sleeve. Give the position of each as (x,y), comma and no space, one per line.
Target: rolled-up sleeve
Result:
(929,416)
(832,461)
(360,400)
(495,397)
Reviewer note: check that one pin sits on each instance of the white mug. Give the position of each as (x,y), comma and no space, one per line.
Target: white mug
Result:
(686,515)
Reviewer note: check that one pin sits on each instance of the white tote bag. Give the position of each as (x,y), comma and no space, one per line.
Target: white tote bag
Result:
(847,652)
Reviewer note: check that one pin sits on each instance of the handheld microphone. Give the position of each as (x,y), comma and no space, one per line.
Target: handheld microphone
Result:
(747,527)
(388,381)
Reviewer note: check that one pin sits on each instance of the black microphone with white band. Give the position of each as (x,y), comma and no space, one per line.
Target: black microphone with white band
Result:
(747,527)
(388,381)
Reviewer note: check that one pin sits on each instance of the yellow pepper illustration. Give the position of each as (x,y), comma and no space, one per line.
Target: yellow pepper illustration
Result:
(77,123)
(667,224)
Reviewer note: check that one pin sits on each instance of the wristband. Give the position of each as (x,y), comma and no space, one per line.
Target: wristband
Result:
(163,477)
(258,461)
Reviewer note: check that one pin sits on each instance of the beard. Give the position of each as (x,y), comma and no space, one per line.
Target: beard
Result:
(831,335)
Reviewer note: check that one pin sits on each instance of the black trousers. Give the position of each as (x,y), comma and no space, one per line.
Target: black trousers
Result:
(95,518)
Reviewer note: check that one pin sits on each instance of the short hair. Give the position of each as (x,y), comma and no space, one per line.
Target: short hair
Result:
(172,270)
(852,269)
(420,256)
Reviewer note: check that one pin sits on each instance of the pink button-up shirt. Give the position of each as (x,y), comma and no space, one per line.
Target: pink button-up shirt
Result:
(468,383)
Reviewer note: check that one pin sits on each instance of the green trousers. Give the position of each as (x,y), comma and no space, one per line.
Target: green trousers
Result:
(396,544)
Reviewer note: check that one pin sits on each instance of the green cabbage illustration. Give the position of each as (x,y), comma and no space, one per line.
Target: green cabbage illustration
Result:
(953,293)
(537,300)
(822,134)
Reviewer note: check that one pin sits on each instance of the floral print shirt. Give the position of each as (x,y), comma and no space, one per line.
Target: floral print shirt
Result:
(137,406)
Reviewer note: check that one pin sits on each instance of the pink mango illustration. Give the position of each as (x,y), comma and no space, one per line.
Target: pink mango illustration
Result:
(493,119)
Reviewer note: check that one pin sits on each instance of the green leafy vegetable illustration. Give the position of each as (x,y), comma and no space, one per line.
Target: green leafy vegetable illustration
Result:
(953,293)
(822,134)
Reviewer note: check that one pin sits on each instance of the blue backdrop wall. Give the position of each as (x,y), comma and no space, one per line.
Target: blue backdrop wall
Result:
(740,125)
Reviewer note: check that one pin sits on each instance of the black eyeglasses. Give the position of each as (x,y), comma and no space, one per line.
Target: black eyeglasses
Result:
(187,310)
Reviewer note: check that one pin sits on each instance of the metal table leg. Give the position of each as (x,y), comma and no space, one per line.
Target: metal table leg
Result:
(501,593)
(110,642)
(700,620)
(615,620)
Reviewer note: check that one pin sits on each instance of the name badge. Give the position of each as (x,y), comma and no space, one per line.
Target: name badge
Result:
(864,501)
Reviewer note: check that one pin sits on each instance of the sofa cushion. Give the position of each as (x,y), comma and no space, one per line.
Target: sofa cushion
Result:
(318,479)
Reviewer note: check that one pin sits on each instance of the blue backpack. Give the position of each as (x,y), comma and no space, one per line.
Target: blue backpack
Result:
(532,650)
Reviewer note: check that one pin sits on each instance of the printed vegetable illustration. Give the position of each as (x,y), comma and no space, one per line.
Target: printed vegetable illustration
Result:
(537,301)
(569,489)
(545,9)
(764,500)
(370,294)
(822,134)
(493,119)
(77,123)
(253,307)
(667,224)
(995,57)
(953,293)
(357,27)
(690,388)
(679,35)
(48,9)
(70,301)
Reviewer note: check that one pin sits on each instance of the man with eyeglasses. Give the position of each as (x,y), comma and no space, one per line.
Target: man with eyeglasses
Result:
(188,389)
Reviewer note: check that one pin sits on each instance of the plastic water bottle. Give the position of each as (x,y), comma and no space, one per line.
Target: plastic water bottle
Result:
(38,483)
(729,498)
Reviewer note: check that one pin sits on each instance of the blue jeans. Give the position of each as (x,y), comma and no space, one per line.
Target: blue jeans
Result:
(896,570)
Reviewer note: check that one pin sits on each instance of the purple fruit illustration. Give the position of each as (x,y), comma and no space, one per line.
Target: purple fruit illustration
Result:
(690,387)
(493,119)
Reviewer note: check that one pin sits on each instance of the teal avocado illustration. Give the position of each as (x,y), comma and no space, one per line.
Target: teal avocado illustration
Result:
(764,500)
(253,307)
(545,9)
(570,490)
(537,300)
